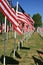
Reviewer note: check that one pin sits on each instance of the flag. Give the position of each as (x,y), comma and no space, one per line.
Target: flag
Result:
(29,18)
(20,9)
(25,28)
(24,18)
(21,17)
(12,9)
(0,0)
(10,14)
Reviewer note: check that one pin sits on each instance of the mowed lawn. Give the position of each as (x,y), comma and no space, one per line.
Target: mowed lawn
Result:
(29,49)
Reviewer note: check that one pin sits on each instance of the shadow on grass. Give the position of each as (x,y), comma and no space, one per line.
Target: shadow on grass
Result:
(40,36)
(9,60)
(16,54)
(39,52)
(25,48)
(37,61)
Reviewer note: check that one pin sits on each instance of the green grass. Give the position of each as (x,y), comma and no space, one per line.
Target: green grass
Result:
(34,43)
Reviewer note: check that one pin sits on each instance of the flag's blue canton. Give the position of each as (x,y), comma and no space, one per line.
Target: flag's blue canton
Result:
(10,2)
(20,9)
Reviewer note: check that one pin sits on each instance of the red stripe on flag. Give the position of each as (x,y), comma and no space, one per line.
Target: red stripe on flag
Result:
(0,0)
(18,30)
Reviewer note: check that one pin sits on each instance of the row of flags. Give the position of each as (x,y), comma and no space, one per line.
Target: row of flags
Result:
(19,20)
(40,31)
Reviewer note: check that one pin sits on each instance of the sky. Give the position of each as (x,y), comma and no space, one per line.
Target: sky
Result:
(31,6)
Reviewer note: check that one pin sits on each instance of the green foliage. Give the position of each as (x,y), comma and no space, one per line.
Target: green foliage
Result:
(38,20)
(1,17)
(42,24)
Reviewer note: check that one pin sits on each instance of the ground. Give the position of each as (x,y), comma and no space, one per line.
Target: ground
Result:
(28,53)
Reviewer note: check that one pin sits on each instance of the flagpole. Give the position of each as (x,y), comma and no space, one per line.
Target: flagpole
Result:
(15,32)
(16,15)
(4,41)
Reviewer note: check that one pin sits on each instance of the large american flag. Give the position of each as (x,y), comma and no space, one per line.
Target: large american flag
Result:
(10,14)
(25,18)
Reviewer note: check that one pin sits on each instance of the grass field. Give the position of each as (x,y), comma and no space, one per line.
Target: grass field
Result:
(27,52)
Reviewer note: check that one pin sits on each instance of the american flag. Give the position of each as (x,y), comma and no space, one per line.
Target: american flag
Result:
(26,20)
(29,18)
(10,14)
(31,21)
(23,18)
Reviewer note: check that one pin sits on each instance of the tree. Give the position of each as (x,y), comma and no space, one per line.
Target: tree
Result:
(1,17)
(42,24)
(38,20)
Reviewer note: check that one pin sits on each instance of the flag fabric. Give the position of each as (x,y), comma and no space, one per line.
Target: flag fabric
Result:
(41,29)
(10,7)
(29,18)
(0,0)
(22,18)
(25,28)
(31,21)
(22,13)
(10,14)
(15,14)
